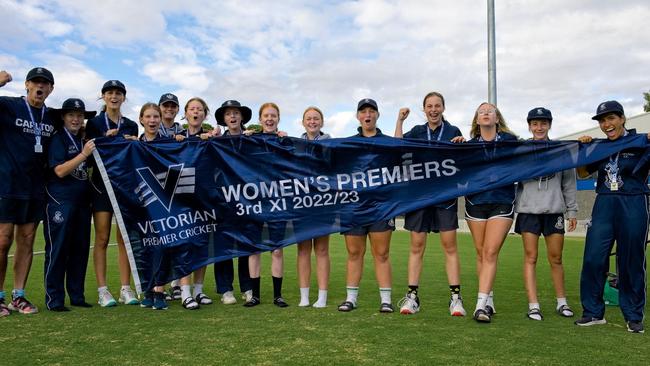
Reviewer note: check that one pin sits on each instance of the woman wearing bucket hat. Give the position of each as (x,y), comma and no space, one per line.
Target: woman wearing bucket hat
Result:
(489,214)
(620,215)
(67,213)
(379,233)
(109,123)
(540,206)
(233,117)
(441,218)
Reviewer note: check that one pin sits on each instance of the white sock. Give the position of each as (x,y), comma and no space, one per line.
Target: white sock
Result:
(126,287)
(533,305)
(185,292)
(481,300)
(322,299)
(304,296)
(352,294)
(175,283)
(102,289)
(198,289)
(490,300)
(561,301)
(384,294)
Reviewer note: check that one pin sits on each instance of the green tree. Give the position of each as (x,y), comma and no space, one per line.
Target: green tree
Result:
(646,106)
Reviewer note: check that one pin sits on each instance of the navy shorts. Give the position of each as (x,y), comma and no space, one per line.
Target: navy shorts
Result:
(484,212)
(19,211)
(538,224)
(372,228)
(432,219)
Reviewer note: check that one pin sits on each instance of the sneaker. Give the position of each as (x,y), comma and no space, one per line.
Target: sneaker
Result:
(247,295)
(106,300)
(386,308)
(635,327)
(147,302)
(21,305)
(279,302)
(456,306)
(482,316)
(203,299)
(228,298)
(127,297)
(159,302)
(81,304)
(565,311)
(176,293)
(4,309)
(409,304)
(587,321)
(254,301)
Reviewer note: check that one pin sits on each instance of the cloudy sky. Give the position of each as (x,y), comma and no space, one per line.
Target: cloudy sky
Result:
(565,55)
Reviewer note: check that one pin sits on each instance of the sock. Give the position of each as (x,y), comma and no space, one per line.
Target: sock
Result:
(2,295)
(454,289)
(175,283)
(256,286)
(481,300)
(352,294)
(490,299)
(561,301)
(384,294)
(533,305)
(277,287)
(198,289)
(413,289)
(185,292)
(322,299)
(304,296)
(126,287)
(17,292)
(102,289)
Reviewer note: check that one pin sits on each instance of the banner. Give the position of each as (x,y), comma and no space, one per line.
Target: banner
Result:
(184,205)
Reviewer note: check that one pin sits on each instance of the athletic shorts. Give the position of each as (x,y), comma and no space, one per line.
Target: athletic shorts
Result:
(101,202)
(372,228)
(484,212)
(19,211)
(538,224)
(432,219)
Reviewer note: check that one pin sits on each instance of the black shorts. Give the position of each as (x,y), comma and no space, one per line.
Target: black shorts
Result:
(372,228)
(432,219)
(101,202)
(484,212)
(538,224)
(19,211)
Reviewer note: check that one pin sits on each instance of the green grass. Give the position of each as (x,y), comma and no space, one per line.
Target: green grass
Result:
(218,334)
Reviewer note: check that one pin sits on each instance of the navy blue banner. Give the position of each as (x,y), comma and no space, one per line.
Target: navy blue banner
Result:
(185,205)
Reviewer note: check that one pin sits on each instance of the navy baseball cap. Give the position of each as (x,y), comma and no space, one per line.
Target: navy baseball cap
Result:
(610,106)
(169,97)
(113,84)
(367,102)
(246,112)
(40,72)
(71,104)
(540,113)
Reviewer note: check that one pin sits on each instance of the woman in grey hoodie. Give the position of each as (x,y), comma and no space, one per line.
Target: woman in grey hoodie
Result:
(541,204)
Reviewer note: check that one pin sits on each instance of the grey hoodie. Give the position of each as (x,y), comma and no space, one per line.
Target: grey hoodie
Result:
(547,195)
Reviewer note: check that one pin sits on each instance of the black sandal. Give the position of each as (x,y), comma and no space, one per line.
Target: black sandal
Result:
(533,312)
(190,304)
(565,311)
(346,306)
(482,316)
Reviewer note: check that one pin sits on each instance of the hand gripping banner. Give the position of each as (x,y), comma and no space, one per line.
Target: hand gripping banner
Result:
(181,206)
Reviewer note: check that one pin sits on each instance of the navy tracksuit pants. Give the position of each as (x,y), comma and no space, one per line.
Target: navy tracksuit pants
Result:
(224,275)
(67,243)
(622,219)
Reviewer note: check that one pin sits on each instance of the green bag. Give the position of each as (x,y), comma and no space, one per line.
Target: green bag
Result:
(610,295)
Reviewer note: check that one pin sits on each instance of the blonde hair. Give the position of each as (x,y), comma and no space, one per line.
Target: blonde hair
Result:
(501,122)
(197,99)
(315,109)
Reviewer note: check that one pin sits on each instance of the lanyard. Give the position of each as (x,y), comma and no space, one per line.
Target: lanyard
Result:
(497,138)
(72,139)
(108,125)
(37,128)
(442,129)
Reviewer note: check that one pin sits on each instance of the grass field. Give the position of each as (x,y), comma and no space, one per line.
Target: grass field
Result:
(266,335)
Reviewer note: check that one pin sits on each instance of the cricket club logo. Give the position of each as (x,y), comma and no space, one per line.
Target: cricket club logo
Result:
(559,224)
(163,186)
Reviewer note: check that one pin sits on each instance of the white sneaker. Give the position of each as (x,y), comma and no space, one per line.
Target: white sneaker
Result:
(127,297)
(106,300)
(456,306)
(247,296)
(409,304)
(228,298)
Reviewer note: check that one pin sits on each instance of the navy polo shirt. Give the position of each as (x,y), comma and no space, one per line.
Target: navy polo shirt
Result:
(157,138)
(360,133)
(74,186)
(629,183)
(502,195)
(187,134)
(21,168)
(445,132)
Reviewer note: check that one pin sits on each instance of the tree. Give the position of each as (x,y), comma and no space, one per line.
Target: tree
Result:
(646,106)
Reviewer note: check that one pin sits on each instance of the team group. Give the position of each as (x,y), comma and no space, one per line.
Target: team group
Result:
(45,154)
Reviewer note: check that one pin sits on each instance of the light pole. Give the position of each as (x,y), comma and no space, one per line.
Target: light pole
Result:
(492,58)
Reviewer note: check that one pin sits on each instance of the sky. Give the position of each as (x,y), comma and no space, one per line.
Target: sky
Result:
(567,56)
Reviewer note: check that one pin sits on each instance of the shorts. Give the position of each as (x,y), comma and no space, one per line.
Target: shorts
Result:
(372,228)
(487,211)
(432,219)
(21,211)
(538,224)
(101,202)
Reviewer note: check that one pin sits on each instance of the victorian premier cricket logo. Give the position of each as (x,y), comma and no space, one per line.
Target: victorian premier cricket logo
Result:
(164,186)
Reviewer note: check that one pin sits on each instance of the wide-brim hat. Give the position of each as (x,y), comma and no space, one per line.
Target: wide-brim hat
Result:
(246,112)
(71,105)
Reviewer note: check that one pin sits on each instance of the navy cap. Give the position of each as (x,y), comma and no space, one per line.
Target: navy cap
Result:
(540,113)
(71,104)
(246,112)
(113,84)
(169,97)
(367,102)
(610,106)
(40,72)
